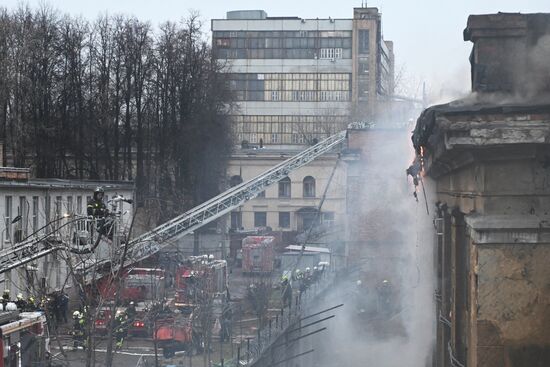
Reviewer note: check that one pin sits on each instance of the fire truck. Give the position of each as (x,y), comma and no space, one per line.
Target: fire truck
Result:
(139,284)
(258,254)
(197,275)
(25,339)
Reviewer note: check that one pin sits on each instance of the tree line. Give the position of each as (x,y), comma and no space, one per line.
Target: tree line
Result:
(114,99)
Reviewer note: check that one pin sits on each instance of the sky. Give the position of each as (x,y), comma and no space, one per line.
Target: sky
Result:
(427,34)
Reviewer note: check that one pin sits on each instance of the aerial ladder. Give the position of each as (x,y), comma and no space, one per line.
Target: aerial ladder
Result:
(153,241)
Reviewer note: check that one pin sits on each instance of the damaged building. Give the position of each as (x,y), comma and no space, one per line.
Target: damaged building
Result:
(489,155)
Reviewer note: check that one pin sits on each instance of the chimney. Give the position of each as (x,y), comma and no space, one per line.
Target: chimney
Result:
(509,52)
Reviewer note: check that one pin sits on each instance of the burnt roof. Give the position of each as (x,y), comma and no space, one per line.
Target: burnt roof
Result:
(426,123)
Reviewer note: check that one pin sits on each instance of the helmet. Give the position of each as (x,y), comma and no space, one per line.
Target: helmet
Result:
(19,296)
(10,306)
(297,271)
(31,299)
(210,257)
(314,268)
(6,291)
(76,315)
(98,190)
(385,281)
(308,270)
(131,303)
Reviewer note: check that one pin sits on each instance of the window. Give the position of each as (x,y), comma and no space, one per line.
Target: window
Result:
(328,218)
(7,218)
(330,53)
(22,212)
(79,205)
(284,188)
(70,204)
(364,41)
(236,220)
(309,187)
(48,208)
(58,206)
(35,213)
(260,219)
(284,219)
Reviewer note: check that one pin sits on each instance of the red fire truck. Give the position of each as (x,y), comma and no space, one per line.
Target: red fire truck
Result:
(139,284)
(258,254)
(199,274)
(25,339)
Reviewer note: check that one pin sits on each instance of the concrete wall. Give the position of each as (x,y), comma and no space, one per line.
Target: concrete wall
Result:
(493,188)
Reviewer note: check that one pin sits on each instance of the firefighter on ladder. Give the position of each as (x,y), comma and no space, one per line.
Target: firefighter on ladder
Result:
(98,210)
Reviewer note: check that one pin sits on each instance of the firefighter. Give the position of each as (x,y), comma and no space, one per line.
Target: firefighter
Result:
(78,330)
(98,210)
(5,297)
(21,303)
(96,206)
(120,328)
(286,292)
(31,304)
(227,315)
(131,311)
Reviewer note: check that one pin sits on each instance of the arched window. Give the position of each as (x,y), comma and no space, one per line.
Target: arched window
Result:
(235,180)
(309,187)
(284,188)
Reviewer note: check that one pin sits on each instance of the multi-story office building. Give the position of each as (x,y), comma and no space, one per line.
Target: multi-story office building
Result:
(297,81)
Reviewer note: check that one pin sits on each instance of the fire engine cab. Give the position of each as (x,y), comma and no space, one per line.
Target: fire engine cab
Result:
(25,339)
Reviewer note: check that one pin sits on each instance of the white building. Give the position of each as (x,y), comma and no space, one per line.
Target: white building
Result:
(28,205)
(297,81)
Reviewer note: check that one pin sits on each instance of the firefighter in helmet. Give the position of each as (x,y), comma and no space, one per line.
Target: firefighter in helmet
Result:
(5,297)
(78,330)
(96,206)
(286,291)
(21,303)
(98,211)
(120,328)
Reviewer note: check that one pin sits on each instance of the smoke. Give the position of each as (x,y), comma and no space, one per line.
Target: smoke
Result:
(390,237)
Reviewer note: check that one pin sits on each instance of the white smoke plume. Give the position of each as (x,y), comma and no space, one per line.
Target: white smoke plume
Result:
(400,235)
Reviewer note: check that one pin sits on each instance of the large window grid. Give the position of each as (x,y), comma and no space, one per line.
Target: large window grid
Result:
(291,87)
(281,44)
(290,129)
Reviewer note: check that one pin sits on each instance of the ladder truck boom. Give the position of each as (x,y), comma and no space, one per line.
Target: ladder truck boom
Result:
(151,242)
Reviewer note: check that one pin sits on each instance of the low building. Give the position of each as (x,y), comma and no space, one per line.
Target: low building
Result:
(29,205)
(290,205)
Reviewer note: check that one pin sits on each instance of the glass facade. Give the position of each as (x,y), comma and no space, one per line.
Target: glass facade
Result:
(291,87)
(287,129)
(282,44)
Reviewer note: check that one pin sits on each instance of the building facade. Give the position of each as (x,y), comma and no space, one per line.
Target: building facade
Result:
(291,204)
(29,205)
(489,163)
(297,81)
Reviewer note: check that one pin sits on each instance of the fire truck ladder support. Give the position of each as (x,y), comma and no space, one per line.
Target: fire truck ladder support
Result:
(151,242)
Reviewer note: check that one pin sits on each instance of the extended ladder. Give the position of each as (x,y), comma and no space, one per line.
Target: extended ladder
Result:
(151,242)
